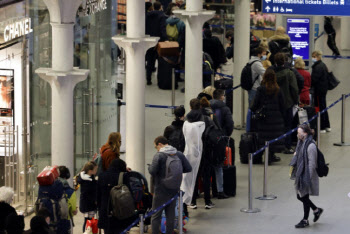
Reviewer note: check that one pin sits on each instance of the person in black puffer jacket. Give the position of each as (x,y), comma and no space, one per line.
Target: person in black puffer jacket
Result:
(106,181)
(174,132)
(319,83)
(88,195)
(6,197)
(269,99)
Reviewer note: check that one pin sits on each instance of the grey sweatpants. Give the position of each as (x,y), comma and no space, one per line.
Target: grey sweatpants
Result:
(159,199)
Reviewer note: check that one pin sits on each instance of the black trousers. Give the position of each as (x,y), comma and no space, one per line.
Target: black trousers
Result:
(320,101)
(151,57)
(288,122)
(204,173)
(307,203)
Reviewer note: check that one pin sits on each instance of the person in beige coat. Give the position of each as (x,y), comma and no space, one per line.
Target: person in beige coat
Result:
(304,173)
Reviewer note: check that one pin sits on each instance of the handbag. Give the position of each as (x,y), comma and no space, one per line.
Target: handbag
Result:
(302,114)
(333,82)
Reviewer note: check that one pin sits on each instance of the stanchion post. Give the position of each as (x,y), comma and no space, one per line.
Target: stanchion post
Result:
(250,192)
(119,104)
(319,129)
(180,213)
(265,196)
(243,110)
(173,92)
(342,136)
(142,225)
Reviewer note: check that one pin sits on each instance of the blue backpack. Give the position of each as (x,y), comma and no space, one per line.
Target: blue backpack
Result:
(53,198)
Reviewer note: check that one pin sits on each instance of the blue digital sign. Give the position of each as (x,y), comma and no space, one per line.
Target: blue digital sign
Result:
(299,32)
(307,7)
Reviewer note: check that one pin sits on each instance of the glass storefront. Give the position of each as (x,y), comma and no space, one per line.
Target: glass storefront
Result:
(95,103)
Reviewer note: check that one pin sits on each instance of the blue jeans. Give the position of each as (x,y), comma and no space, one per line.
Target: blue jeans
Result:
(219,174)
(251,96)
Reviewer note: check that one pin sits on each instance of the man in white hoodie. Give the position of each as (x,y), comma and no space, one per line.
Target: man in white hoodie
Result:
(166,184)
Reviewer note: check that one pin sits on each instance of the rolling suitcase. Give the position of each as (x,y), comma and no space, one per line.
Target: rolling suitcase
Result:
(164,75)
(247,145)
(230,180)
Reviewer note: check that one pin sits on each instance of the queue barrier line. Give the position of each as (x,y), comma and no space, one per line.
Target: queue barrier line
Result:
(232,26)
(319,36)
(149,214)
(336,57)
(208,73)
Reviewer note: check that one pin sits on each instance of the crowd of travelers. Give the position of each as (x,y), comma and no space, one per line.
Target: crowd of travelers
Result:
(192,153)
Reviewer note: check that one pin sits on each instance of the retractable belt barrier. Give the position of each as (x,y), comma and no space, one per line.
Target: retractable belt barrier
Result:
(149,214)
(232,26)
(336,57)
(250,208)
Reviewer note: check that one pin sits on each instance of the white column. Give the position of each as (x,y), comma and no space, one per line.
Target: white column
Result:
(241,54)
(319,44)
(344,33)
(62,78)
(194,17)
(135,45)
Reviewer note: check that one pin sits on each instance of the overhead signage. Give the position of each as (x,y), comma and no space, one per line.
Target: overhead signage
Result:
(17,29)
(308,7)
(299,33)
(95,6)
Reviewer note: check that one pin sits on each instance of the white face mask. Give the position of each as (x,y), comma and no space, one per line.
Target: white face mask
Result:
(314,60)
(263,57)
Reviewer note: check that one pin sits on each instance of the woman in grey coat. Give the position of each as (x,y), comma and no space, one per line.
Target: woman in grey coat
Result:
(304,173)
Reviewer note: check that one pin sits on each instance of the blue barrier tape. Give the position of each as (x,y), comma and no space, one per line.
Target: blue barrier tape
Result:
(224,75)
(131,226)
(319,36)
(336,57)
(232,26)
(230,90)
(154,106)
(295,129)
(149,214)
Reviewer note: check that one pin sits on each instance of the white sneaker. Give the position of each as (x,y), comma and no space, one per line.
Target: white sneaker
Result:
(328,129)
(192,206)
(323,131)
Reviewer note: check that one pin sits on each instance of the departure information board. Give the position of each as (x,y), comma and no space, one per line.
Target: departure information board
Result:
(299,32)
(307,7)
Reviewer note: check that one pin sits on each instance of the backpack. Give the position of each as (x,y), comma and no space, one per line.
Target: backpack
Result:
(53,198)
(173,172)
(176,138)
(172,32)
(136,183)
(247,81)
(214,141)
(286,51)
(121,200)
(322,167)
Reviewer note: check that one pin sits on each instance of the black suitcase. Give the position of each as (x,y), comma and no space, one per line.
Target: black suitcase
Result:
(165,72)
(230,180)
(247,145)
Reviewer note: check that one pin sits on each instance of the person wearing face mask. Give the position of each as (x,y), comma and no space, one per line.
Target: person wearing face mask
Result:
(258,70)
(319,83)
(304,173)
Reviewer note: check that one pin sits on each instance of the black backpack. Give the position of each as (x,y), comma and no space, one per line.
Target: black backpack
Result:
(177,139)
(247,81)
(214,141)
(286,51)
(322,167)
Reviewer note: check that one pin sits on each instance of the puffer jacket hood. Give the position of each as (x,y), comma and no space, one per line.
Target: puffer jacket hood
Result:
(172,20)
(194,116)
(207,111)
(84,176)
(168,150)
(217,104)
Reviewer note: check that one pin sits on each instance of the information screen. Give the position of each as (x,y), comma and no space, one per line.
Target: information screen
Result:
(307,7)
(299,33)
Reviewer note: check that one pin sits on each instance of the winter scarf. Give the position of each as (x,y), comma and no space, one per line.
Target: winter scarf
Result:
(300,163)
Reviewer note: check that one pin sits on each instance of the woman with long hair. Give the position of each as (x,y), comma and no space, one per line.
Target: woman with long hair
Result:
(268,108)
(304,173)
(110,150)
(305,92)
